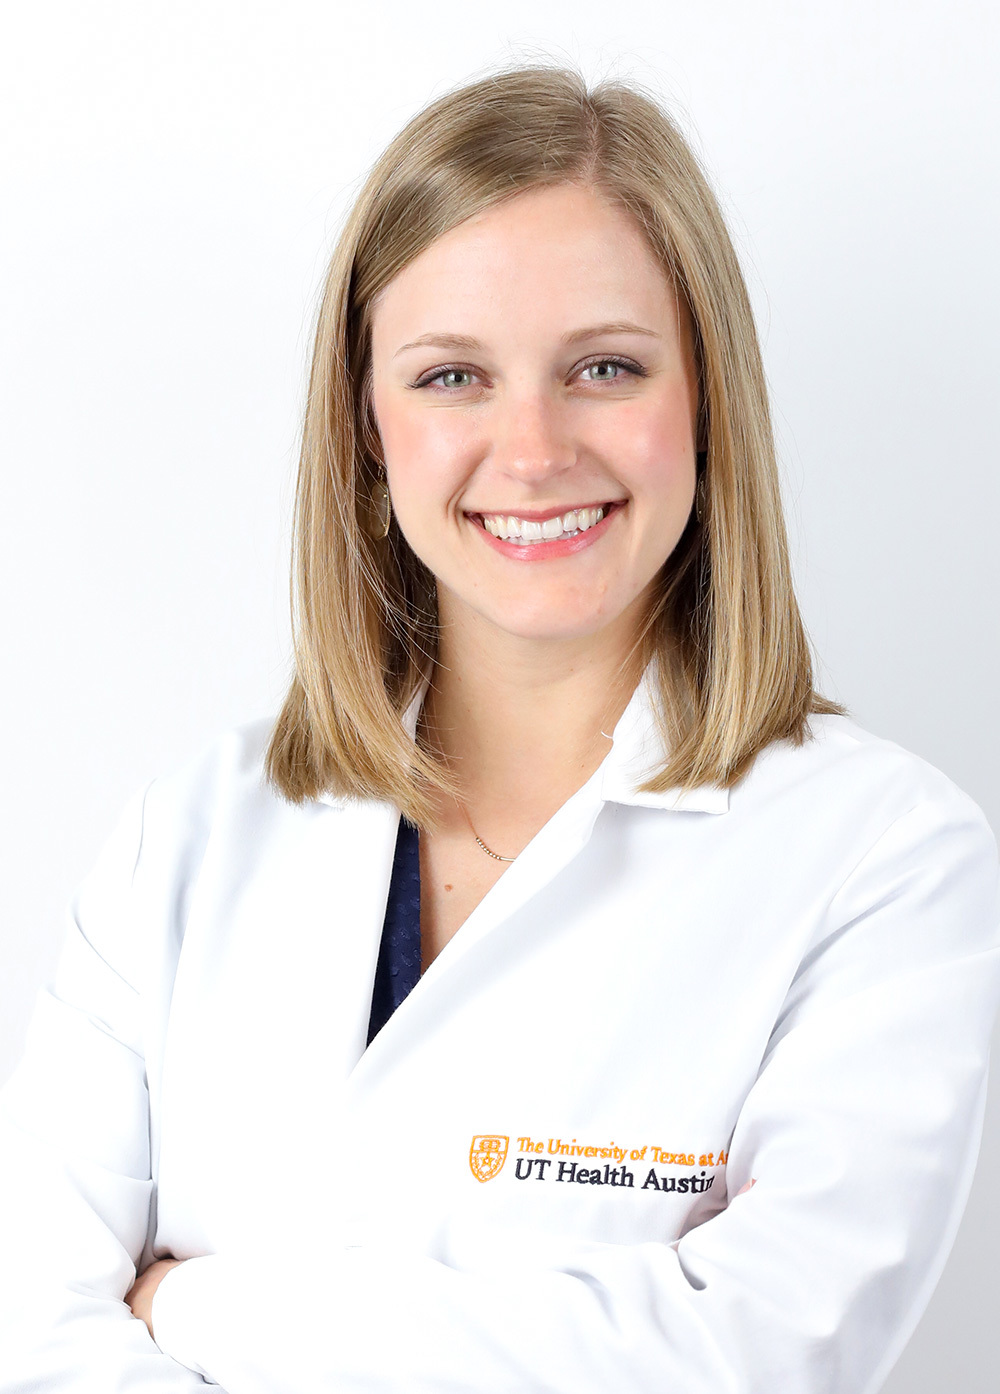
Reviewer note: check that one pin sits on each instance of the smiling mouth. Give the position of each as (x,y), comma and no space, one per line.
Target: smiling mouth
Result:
(558,527)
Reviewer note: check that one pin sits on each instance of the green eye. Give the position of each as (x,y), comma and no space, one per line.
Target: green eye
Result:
(445,379)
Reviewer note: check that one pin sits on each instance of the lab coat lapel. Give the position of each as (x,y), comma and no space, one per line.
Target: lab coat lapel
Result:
(554,846)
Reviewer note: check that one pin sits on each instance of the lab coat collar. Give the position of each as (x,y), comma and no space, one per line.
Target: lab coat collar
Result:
(636,753)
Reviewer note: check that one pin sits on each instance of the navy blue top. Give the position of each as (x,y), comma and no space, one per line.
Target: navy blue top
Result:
(399,955)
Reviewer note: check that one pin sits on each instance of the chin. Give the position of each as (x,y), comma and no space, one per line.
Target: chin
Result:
(544,629)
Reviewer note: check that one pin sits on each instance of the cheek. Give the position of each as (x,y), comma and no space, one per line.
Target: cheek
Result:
(424,450)
(654,446)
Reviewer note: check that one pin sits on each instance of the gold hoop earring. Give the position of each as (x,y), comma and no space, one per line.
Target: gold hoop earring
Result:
(381,508)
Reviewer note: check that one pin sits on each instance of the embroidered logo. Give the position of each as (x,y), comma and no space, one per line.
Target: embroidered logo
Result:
(601,1164)
(487,1156)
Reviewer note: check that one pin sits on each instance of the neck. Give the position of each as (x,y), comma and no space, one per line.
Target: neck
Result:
(520,721)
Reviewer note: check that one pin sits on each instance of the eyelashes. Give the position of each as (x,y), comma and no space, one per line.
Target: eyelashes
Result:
(629,365)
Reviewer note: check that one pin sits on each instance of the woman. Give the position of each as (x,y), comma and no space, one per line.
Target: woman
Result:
(563,995)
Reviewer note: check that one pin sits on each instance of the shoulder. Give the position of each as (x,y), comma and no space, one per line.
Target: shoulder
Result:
(219,794)
(226,767)
(226,764)
(845,777)
(216,804)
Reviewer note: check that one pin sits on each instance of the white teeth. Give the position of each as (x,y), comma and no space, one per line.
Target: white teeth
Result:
(504,525)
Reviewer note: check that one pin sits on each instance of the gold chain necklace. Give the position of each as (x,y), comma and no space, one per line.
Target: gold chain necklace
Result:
(495,855)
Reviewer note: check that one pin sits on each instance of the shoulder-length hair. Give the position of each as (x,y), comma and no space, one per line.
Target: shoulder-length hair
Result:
(734,670)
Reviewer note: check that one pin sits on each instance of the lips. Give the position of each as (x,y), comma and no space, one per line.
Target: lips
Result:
(537,548)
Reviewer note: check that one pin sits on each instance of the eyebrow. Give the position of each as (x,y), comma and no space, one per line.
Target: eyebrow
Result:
(593,331)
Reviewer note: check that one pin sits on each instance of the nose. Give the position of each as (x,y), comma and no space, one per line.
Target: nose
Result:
(531,437)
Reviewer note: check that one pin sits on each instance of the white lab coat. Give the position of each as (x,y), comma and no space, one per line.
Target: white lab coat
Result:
(530,1179)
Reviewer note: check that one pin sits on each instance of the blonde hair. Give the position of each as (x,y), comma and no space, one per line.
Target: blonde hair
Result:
(735,671)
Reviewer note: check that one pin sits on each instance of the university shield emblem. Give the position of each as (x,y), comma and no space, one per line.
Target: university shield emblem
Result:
(486,1156)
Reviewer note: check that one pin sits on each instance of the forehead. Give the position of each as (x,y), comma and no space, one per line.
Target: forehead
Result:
(546,260)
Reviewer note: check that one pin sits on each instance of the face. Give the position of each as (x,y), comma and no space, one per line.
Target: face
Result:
(535,391)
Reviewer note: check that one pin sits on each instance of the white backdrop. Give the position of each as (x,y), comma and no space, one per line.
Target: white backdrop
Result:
(174,175)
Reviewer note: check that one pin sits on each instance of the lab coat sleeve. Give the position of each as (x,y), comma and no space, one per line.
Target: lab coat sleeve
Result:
(861,1129)
(75,1185)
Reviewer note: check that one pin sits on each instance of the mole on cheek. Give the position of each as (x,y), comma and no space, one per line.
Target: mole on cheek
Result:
(447,887)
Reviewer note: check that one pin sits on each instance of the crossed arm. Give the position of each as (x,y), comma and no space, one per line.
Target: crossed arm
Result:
(139,1297)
